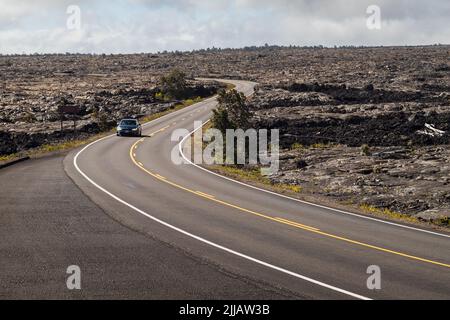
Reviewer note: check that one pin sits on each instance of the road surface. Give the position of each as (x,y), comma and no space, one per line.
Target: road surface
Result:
(313,251)
(144,227)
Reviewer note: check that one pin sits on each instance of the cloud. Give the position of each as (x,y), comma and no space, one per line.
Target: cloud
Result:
(154,25)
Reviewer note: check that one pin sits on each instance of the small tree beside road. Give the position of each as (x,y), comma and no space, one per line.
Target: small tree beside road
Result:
(232,112)
(174,85)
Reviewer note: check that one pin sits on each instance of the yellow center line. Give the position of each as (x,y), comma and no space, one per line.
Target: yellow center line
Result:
(205,194)
(296,224)
(281,220)
(160,130)
(153,133)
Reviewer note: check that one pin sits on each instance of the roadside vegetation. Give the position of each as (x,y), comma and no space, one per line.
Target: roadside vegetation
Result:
(253,176)
(442,221)
(387,213)
(233,113)
(174,85)
(300,147)
(51,148)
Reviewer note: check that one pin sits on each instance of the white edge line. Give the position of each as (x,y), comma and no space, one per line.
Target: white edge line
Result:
(268,265)
(294,199)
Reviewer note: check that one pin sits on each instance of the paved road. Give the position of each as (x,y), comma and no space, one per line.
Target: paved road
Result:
(309,250)
(47,224)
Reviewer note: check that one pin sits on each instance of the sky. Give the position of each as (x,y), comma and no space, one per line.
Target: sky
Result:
(134,26)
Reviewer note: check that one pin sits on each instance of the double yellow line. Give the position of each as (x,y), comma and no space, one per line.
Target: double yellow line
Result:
(275,219)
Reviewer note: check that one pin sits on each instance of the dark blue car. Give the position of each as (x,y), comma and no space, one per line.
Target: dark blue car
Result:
(129,127)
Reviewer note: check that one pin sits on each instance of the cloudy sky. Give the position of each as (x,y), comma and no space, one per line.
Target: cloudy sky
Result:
(127,26)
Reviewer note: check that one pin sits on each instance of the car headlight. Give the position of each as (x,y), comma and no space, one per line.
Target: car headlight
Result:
(135,129)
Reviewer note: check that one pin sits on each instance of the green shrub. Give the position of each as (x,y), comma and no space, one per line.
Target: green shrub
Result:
(174,84)
(232,112)
(365,150)
(159,96)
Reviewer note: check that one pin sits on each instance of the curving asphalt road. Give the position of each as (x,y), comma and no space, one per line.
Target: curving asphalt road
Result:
(307,250)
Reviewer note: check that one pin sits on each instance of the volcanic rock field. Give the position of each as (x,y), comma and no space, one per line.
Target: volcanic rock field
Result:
(364,126)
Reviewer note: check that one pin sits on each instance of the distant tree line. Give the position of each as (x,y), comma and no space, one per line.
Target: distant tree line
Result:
(214,49)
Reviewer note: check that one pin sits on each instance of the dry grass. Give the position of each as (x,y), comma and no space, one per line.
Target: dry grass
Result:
(444,222)
(297,146)
(10,157)
(387,213)
(323,145)
(254,175)
(54,147)
(230,86)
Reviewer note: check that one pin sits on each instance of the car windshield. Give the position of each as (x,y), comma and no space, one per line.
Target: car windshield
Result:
(128,123)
